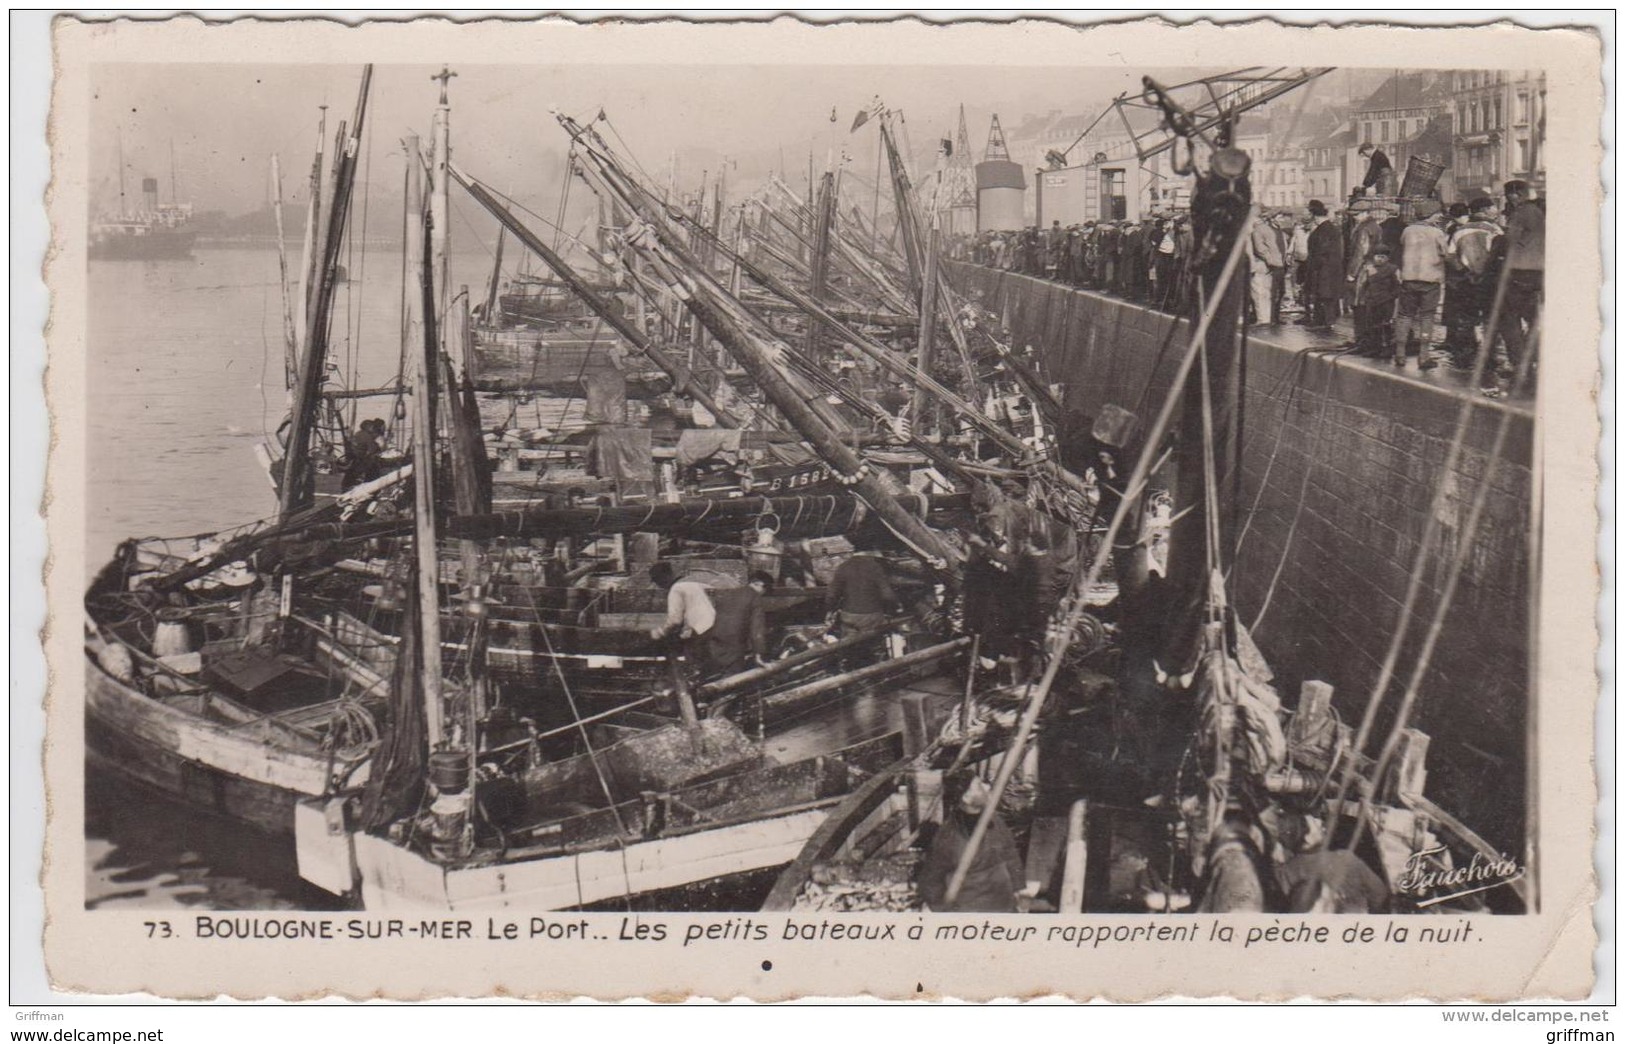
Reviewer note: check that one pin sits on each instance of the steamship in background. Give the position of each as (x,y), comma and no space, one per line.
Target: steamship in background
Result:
(155,232)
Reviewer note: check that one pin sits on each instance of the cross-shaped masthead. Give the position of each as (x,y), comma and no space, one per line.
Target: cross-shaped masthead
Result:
(444,76)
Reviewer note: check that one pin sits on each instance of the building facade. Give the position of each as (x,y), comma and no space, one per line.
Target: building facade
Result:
(1499,121)
(1397,114)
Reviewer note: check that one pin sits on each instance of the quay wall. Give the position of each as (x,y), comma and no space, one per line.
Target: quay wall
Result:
(1348,455)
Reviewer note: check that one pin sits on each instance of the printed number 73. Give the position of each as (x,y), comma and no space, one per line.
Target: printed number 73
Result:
(159,929)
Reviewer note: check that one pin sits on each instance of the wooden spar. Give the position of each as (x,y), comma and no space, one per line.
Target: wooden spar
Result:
(746,679)
(820,256)
(735,272)
(682,378)
(874,220)
(754,355)
(298,487)
(421,345)
(493,295)
(290,339)
(873,670)
(313,213)
(905,208)
(928,326)
(845,315)
(365,393)
(440,226)
(882,355)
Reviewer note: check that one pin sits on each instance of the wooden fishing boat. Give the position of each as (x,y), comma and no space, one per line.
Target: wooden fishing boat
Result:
(222,699)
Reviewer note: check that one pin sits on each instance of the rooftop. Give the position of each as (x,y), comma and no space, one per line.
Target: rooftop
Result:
(1407,91)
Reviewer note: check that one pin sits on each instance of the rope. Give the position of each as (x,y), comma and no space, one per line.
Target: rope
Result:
(1430,534)
(1464,547)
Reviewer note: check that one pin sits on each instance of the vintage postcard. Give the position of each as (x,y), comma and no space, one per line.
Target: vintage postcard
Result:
(660,509)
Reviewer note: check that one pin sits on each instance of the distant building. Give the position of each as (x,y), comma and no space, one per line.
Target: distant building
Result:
(1499,128)
(1397,113)
(1329,164)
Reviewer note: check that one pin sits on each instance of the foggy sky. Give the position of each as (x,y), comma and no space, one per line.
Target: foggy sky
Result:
(225,120)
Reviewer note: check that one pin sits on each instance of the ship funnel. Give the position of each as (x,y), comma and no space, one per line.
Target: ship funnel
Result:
(149,193)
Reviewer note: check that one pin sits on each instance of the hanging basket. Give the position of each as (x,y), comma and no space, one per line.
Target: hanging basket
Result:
(1421,177)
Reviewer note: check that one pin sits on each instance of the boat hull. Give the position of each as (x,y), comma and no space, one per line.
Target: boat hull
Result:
(227,770)
(397,879)
(151,246)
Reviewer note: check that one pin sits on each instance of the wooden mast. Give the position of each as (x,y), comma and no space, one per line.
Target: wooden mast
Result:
(313,217)
(290,339)
(928,324)
(421,347)
(298,485)
(707,302)
(683,382)
(820,256)
(493,295)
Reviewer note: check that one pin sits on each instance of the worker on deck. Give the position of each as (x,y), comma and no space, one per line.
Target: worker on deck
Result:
(738,638)
(1379,171)
(690,613)
(995,873)
(861,597)
(363,453)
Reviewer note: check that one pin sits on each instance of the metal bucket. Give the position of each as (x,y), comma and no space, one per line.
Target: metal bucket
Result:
(171,637)
(448,771)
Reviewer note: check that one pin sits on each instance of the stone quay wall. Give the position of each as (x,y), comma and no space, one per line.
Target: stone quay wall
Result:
(1349,455)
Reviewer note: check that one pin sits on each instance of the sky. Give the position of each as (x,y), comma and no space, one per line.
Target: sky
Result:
(225,121)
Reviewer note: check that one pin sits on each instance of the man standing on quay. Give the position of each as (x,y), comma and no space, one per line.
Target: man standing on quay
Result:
(1323,282)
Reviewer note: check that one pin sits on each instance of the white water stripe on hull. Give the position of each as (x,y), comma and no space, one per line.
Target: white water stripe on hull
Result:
(395,879)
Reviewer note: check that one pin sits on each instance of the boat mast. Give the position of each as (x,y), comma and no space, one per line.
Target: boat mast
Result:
(298,486)
(440,209)
(494,293)
(683,382)
(820,256)
(290,340)
(313,215)
(421,346)
(174,192)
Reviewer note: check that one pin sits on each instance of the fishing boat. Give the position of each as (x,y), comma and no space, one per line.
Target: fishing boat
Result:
(635,791)
(205,680)
(1172,776)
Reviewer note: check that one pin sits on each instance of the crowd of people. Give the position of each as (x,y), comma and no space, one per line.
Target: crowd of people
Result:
(1416,278)
(1142,261)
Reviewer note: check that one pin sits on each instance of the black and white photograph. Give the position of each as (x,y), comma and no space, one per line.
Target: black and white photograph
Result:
(537,490)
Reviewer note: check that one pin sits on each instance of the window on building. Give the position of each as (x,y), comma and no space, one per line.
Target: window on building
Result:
(1496,104)
(1384,131)
(1523,156)
(1399,133)
(1523,107)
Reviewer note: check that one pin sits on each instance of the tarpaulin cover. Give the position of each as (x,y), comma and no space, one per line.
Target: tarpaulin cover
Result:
(695,445)
(625,456)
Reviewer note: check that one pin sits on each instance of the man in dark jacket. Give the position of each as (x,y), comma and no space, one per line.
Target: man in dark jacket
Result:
(1379,171)
(740,631)
(1323,283)
(861,595)
(995,874)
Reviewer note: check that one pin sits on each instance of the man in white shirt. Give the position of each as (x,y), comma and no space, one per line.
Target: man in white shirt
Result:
(689,610)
